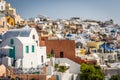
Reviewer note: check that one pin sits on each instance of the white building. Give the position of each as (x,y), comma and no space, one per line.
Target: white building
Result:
(26,51)
(74,67)
(2,5)
(40,18)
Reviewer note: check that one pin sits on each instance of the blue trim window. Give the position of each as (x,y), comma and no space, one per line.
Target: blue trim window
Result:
(27,49)
(33,48)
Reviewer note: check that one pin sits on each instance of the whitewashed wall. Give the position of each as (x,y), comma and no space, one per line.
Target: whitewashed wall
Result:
(2,5)
(74,67)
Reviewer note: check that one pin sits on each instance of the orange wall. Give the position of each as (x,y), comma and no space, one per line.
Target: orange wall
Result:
(67,47)
(31,76)
(42,40)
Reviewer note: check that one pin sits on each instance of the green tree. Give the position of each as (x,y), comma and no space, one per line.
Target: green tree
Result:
(91,72)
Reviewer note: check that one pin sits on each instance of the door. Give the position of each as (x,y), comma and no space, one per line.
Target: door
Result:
(12,52)
(57,77)
(61,54)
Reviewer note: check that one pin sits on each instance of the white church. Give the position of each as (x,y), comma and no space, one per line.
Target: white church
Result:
(24,51)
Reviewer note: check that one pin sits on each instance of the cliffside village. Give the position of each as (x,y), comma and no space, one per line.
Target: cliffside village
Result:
(33,49)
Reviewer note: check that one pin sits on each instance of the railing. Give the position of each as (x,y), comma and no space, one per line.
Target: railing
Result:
(111,71)
(27,70)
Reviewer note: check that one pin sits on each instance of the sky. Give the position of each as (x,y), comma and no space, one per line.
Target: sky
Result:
(65,9)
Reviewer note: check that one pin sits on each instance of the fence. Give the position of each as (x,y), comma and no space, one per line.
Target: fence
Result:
(27,70)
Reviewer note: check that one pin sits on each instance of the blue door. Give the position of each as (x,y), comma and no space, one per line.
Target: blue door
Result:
(57,77)
(12,52)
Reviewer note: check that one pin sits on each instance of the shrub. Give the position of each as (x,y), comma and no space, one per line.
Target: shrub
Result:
(91,72)
(56,66)
(62,69)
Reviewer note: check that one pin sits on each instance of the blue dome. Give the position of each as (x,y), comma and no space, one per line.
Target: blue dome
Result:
(69,35)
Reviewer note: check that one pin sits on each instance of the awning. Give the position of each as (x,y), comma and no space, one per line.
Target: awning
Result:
(69,35)
(113,31)
(64,64)
(106,47)
(6,47)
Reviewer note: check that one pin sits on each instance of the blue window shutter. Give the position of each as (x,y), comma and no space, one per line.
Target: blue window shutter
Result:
(27,49)
(33,48)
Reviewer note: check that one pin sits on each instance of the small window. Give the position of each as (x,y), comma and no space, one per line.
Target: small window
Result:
(42,59)
(11,41)
(1,7)
(11,23)
(8,20)
(3,23)
(27,49)
(33,48)
(33,36)
(37,43)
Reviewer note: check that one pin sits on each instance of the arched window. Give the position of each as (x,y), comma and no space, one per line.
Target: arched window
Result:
(11,41)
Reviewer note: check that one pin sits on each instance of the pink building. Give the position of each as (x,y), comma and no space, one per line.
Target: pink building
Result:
(3,23)
(18,19)
(118,38)
(2,70)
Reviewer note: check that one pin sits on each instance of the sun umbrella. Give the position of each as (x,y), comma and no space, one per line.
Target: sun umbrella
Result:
(69,35)
(64,64)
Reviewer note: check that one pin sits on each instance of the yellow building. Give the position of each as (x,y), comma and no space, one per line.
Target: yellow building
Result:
(12,11)
(10,20)
(3,25)
(93,44)
(82,51)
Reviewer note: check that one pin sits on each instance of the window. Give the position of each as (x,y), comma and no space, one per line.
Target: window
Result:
(1,7)
(27,49)
(11,23)
(3,23)
(42,59)
(11,41)
(33,48)
(12,52)
(57,77)
(37,43)
(61,54)
(33,36)
(8,20)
